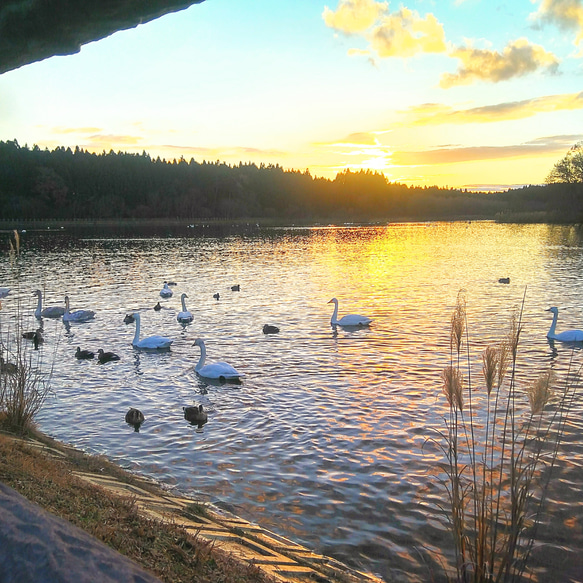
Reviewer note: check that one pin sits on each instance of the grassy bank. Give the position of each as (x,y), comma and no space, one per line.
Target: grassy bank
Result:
(166,550)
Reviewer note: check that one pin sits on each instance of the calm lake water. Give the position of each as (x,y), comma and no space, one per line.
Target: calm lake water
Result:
(325,439)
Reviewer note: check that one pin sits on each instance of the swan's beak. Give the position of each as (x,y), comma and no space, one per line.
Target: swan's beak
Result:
(329,302)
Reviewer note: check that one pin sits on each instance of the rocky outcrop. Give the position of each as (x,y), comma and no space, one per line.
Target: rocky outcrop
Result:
(33,30)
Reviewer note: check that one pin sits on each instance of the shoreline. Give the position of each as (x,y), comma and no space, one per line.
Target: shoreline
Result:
(273,556)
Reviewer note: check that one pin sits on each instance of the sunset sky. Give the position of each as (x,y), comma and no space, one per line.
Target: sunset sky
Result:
(478,94)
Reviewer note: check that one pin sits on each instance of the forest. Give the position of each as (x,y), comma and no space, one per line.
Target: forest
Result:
(66,184)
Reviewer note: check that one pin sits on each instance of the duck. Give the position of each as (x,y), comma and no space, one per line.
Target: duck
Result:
(349,319)
(217,296)
(7,367)
(151,342)
(77,315)
(184,317)
(30,335)
(504,280)
(129,319)
(268,329)
(217,370)
(236,287)
(134,417)
(48,312)
(104,357)
(195,414)
(166,292)
(567,335)
(157,307)
(83,354)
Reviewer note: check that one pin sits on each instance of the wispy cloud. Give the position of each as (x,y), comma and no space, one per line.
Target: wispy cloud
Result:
(81,131)
(516,60)
(539,147)
(566,14)
(436,113)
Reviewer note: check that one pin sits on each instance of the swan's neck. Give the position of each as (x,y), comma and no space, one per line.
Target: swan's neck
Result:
(202,357)
(137,334)
(183,304)
(553,325)
(66,305)
(39,305)
(334,318)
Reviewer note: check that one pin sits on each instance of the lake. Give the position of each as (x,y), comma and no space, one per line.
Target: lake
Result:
(325,439)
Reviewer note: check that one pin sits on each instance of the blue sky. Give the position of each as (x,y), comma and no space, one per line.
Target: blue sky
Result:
(464,93)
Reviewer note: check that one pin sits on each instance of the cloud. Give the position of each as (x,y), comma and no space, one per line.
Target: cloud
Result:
(566,14)
(405,34)
(353,16)
(518,59)
(65,131)
(539,147)
(400,34)
(436,114)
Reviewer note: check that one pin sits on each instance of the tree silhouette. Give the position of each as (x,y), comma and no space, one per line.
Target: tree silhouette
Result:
(570,168)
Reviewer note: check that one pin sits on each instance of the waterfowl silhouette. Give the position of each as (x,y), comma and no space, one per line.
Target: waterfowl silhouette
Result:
(349,319)
(104,357)
(83,354)
(567,335)
(268,329)
(134,417)
(196,415)
(216,296)
(504,280)
(236,287)
(157,307)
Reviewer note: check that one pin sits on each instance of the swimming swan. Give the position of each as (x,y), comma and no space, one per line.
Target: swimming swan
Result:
(77,315)
(349,319)
(567,335)
(217,370)
(184,317)
(195,414)
(166,292)
(152,342)
(49,312)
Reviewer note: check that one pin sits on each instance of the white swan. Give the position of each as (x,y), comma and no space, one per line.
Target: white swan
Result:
(217,370)
(152,342)
(349,319)
(77,315)
(567,335)
(166,292)
(184,317)
(49,312)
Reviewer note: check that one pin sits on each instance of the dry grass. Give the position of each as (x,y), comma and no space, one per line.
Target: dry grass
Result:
(499,451)
(164,549)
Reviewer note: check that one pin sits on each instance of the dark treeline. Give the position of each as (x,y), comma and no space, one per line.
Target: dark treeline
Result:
(76,184)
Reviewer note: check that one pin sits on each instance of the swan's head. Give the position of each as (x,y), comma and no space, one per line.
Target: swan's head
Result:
(554,310)
(199,342)
(333,301)
(36,292)
(183,296)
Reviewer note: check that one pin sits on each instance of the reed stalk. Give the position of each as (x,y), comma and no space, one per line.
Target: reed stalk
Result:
(500,446)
